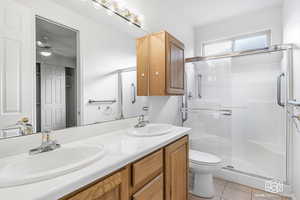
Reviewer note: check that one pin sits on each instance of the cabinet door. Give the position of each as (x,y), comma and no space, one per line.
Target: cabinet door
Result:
(175,66)
(142,50)
(115,187)
(157,74)
(176,170)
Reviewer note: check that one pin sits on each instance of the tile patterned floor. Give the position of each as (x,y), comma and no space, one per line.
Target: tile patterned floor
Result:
(231,191)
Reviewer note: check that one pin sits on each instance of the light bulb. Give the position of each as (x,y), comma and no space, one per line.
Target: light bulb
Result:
(96,5)
(132,18)
(46,53)
(121,3)
(141,17)
(39,43)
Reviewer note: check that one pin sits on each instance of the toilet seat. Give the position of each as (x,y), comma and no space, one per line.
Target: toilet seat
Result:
(202,158)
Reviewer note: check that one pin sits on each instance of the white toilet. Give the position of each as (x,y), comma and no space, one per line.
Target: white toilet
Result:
(202,166)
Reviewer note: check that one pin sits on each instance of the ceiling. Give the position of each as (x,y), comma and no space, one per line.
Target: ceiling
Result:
(61,39)
(195,12)
(178,17)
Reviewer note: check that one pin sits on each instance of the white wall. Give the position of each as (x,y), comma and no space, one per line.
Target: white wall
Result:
(291,28)
(165,109)
(102,50)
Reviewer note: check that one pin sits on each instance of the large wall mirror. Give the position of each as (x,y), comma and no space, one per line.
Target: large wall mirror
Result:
(53,93)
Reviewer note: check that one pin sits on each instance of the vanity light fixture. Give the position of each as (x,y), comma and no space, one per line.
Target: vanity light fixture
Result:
(118,8)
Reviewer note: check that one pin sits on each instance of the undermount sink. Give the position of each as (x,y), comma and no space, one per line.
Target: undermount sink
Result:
(151,130)
(25,168)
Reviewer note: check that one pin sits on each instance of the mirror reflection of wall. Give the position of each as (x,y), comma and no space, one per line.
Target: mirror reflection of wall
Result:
(45,87)
(133,105)
(56,76)
(121,101)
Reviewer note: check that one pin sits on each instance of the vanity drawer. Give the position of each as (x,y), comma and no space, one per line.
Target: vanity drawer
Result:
(146,169)
(114,187)
(152,191)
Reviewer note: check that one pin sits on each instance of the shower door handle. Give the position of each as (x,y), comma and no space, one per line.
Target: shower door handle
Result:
(199,86)
(133,95)
(279,78)
(226,112)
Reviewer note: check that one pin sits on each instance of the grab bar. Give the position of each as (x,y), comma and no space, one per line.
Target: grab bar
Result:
(199,86)
(226,112)
(279,102)
(102,101)
(133,95)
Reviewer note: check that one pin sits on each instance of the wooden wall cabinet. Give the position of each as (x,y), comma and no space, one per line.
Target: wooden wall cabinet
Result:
(162,175)
(160,65)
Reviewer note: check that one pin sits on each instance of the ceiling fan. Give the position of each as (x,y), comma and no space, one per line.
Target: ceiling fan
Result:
(44,46)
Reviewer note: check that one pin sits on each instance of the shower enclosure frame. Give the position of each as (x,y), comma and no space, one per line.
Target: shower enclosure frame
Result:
(289,101)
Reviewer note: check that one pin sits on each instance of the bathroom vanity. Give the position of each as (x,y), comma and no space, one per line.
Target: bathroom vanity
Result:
(130,167)
(157,176)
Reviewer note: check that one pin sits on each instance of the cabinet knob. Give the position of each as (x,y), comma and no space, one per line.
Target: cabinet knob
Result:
(142,74)
(156,73)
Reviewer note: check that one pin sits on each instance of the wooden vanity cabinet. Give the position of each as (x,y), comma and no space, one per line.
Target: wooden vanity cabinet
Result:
(161,175)
(160,65)
(176,170)
(113,187)
(170,168)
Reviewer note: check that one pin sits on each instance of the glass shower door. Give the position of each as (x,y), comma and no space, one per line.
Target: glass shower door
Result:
(211,132)
(251,139)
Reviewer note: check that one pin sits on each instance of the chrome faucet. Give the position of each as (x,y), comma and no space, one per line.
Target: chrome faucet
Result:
(47,144)
(141,122)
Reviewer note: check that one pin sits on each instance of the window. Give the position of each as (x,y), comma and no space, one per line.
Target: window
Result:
(218,48)
(242,43)
(253,42)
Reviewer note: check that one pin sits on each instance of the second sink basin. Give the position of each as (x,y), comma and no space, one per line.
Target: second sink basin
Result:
(24,168)
(151,130)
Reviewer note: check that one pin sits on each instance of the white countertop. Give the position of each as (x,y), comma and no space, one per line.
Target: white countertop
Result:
(121,149)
